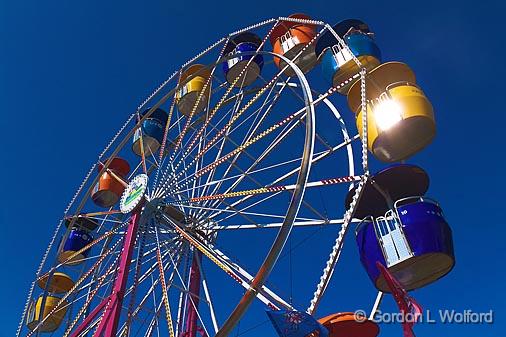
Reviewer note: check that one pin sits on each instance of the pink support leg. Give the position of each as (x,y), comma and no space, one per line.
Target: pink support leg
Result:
(113,303)
(191,328)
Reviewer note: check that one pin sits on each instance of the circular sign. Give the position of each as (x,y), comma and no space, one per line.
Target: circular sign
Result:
(133,193)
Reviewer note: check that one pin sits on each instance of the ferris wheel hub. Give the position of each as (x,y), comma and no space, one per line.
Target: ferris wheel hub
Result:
(156,208)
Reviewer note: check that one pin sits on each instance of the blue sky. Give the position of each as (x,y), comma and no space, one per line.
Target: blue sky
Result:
(70,73)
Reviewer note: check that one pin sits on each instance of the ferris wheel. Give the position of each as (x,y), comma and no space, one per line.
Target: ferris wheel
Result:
(178,227)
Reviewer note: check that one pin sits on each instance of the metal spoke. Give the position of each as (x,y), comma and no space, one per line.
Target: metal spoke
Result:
(232,269)
(315,159)
(279,224)
(164,287)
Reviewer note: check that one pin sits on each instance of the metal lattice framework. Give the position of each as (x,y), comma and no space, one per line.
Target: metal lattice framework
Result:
(257,159)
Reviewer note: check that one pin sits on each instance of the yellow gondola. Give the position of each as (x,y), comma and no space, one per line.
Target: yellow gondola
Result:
(53,321)
(188,93)
(59,283)
(400,118)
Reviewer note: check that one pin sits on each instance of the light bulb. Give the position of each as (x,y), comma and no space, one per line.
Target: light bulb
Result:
(387,113)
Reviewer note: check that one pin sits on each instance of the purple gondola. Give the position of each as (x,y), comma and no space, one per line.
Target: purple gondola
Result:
(243,48)
(409,235)
(78,238)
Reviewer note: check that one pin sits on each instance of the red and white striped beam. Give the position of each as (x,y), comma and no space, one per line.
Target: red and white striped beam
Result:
(331,181)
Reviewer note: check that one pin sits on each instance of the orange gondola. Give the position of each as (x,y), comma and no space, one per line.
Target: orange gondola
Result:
(109,188)
(291,39)
(348,324)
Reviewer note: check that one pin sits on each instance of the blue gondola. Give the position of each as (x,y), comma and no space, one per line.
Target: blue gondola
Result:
(242,47)
(405,232)
(152,131)
(78,238)
(337,63)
